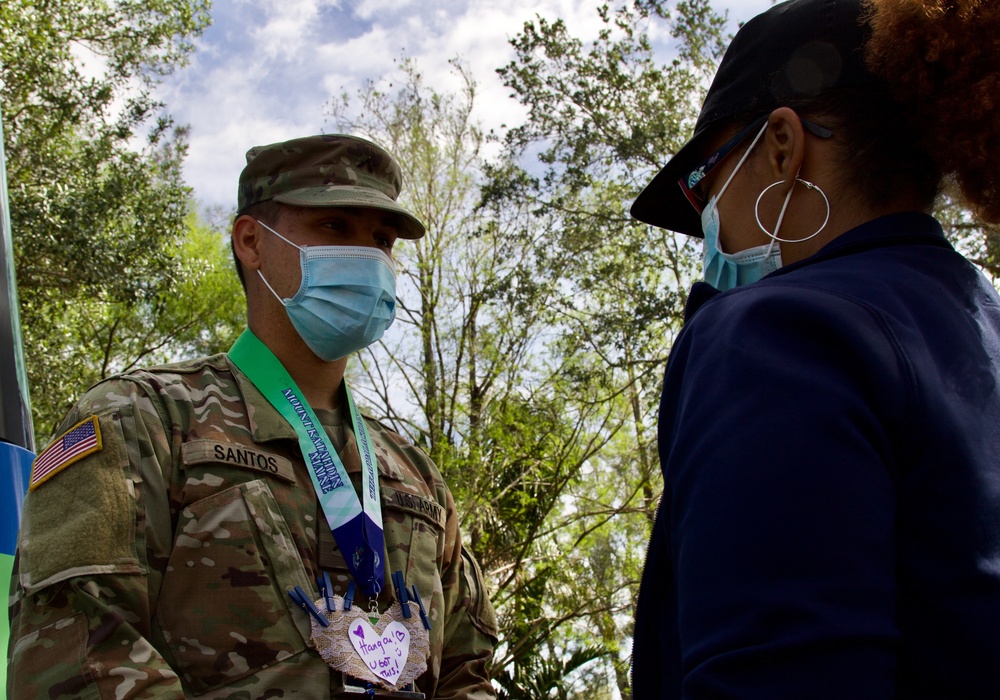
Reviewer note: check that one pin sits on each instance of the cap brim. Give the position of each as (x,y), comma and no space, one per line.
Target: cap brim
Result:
(346,196)
(662,202)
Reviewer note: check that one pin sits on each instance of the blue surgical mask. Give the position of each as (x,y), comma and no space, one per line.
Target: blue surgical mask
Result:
(726,271)
(346,300)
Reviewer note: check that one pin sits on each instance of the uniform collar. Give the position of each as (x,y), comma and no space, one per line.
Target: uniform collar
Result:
(265,421)
(267,424)
(903,228)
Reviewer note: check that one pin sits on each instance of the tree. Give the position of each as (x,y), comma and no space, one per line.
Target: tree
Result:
(602,119)
(538,339)
(199,310)
(95,220)
(977,241)
(471,383)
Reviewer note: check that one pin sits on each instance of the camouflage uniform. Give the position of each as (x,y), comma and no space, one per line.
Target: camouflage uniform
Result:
(159,566)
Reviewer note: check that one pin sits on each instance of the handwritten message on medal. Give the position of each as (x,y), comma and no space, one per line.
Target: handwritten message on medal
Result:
(385,654)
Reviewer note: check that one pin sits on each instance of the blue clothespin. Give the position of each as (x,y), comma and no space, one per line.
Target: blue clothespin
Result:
(296,595)
(349,596)
(322,589)
(302,600)
(423,613)
(327,589)
(401,593)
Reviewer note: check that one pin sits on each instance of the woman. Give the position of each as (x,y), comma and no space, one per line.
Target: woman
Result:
(830,420)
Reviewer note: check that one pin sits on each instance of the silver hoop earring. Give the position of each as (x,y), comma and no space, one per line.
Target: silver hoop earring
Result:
(788,197)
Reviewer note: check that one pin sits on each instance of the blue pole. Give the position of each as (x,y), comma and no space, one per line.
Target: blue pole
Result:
(15,406)
(15,472)
(16,434)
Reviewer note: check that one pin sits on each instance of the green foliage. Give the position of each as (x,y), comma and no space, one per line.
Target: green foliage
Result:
(199,309)
(536,322)
(602,118)
(548,677)
(96,219)
(979,242)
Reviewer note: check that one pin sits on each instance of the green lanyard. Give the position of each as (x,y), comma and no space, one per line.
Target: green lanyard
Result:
(357,528)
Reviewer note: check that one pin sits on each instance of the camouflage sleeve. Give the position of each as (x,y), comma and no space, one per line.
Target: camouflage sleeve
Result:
(84,585)
(470,632)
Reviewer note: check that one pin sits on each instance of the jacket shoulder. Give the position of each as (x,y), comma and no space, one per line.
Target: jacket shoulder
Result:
(217,364)
(213,367)
(407,461)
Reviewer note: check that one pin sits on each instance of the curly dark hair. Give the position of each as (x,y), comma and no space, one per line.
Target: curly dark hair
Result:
(941,61)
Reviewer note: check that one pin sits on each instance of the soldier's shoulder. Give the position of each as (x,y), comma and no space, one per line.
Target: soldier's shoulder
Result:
(173,382)
(385,430)
(210,364)
(408,457)
(201,371)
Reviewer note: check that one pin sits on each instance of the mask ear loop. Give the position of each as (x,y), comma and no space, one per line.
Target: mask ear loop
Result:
(278,234)
(739,165)
(261,274)
(788,197)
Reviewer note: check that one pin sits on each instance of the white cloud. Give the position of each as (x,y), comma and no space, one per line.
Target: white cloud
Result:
(264,71)
(375,9)
(286,30)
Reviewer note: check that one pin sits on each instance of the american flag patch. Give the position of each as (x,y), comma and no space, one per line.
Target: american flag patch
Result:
(82,439)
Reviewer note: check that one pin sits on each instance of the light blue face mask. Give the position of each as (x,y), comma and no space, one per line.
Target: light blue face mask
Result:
(726,271)
(347,298)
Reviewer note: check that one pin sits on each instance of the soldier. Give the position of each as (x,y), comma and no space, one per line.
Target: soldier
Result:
(177,543)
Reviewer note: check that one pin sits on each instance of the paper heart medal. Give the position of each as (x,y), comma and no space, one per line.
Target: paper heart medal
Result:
(391,653)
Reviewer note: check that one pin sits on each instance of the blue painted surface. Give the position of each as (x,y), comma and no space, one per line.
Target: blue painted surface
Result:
(15,472)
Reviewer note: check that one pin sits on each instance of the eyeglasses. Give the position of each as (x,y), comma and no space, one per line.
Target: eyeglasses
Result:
(689,183)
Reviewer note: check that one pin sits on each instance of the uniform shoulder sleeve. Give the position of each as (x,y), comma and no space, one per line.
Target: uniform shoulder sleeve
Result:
(80,606)
(470,636)
(80,514)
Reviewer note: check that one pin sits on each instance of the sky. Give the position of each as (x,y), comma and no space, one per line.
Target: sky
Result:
(264,71)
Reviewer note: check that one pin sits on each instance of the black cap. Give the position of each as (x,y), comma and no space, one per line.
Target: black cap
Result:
(795,50)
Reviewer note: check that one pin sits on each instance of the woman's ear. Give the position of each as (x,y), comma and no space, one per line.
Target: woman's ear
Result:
(784,143)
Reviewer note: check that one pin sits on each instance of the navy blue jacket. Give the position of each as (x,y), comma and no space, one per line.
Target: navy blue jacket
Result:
(830,446)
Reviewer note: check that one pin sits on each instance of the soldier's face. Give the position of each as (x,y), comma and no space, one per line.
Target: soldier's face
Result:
(321,226)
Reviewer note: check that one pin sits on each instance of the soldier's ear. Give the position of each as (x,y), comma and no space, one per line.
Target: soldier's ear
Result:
(247,234)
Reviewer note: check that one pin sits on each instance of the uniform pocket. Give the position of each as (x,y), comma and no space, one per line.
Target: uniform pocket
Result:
(480,609)
(416,547)
(223,607)
(63,645)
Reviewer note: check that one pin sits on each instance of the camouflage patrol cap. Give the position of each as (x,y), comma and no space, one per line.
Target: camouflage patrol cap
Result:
(329,170)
